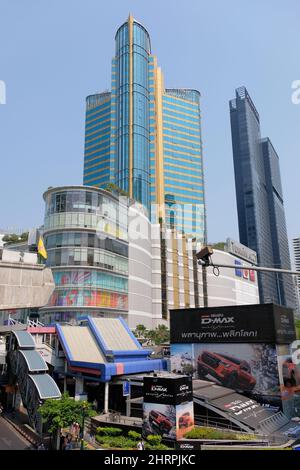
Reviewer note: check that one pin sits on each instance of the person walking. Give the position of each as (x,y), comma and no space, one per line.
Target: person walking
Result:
(140,445)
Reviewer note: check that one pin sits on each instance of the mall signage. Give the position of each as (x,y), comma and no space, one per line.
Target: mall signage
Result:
(168,406)
(241,251)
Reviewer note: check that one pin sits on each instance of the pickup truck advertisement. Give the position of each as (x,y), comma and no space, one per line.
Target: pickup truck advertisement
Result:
(258,370)
(168,407)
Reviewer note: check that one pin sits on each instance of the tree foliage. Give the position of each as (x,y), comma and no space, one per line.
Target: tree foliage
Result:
(159,335)
(14,238)
(218,246)
(64,411)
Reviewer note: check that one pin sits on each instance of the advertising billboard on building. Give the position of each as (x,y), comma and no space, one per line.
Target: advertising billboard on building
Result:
(244,348)
(259,323)
(242,367)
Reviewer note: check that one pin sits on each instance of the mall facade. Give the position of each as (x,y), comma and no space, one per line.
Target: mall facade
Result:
(85,235)
(109,260)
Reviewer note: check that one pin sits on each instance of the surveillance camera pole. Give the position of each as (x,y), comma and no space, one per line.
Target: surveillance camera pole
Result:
(204,259)
(253,268)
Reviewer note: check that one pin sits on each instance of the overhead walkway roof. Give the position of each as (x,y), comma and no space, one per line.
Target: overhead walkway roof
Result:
(35,362)
(105,347)
(45,386)
(80,345)
(115,334)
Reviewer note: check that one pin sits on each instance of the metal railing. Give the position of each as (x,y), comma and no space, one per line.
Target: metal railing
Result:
(217,423)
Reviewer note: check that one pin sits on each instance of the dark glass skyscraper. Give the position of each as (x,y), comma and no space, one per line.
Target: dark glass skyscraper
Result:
(261,216)
(147,139)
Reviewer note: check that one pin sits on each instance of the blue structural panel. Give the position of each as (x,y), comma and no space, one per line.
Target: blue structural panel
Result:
(113,362)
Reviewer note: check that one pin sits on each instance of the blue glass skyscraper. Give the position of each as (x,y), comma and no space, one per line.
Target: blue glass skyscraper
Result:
(145,138)
(261,215)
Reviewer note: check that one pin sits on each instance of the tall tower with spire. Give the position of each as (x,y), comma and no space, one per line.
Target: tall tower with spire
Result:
(145,138)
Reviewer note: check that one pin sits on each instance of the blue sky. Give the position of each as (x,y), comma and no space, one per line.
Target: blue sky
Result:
(54,53)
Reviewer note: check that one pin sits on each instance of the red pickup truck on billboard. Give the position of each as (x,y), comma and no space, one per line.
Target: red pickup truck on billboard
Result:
(229,371)
(185,420)
(161,421)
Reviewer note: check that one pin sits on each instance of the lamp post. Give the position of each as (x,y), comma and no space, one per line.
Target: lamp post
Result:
(84,406)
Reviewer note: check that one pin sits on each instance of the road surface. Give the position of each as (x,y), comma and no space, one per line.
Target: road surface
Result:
(10,439)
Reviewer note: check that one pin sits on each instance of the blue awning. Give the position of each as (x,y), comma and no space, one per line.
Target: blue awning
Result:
(24,339)
(45,386)
(34,360)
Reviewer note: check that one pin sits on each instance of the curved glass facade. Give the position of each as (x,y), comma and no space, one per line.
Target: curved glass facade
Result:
(88,298)
(86,239)
(85,209)
(87,257)
(87,278)
(87,228)
(132,110)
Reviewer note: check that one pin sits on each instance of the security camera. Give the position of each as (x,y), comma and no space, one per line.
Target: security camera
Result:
(204,255)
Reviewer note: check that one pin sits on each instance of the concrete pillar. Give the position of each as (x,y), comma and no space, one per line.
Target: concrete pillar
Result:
(65,384)
(78,386)
(128,405)
(106,396)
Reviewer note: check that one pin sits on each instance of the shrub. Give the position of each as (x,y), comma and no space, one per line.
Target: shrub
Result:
(134,435)
(107,431)
(154,440)
(156,447)
(246,437)
(117,442)
(210,433)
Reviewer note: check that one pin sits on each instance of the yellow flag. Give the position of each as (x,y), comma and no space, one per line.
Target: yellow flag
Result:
(41,249)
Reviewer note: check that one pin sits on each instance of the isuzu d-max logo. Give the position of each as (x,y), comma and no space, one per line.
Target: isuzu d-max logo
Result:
(183,388)
(158,388)
(206,320)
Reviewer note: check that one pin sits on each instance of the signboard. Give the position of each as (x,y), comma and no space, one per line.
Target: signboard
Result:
(168,406)
(259,323)
(186,444)
(126,388)
(245,409)
(247,273)
(241,251)
(170,391)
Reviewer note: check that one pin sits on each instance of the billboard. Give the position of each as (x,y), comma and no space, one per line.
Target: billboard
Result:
(242,367)
(289,378)
(259,323)
(168,406)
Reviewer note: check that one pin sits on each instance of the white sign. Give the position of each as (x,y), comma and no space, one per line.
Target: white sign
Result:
(241,251)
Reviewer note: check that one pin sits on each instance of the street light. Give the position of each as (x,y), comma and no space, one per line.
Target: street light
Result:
(84,407)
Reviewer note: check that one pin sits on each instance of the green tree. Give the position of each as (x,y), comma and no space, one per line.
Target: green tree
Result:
(160,335)
(14,238)
(219,246)
(60,413)
(140,331)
